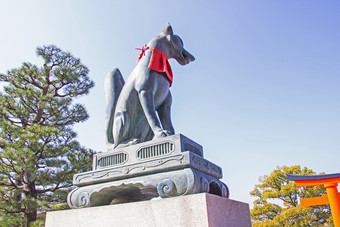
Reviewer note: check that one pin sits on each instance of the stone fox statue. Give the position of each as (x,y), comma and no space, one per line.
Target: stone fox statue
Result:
(139,110)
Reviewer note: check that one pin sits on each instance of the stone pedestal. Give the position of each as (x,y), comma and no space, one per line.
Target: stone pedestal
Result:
(191,210)
(172,168)
(166,167)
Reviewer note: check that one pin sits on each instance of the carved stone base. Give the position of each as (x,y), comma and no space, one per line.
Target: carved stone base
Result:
(167,167)
(167,184)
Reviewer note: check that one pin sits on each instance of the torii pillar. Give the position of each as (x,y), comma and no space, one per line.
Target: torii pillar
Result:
(330,182)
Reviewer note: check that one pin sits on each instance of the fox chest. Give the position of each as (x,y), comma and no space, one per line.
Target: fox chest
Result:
(162,91)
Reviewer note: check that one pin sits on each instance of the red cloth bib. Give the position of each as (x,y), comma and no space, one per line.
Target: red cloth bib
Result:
(158,62)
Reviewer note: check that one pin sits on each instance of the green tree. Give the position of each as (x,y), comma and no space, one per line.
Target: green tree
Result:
(277,202)
(39,152)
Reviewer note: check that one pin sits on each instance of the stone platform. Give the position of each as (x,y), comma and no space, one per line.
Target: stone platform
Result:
(166,167)
(191,210)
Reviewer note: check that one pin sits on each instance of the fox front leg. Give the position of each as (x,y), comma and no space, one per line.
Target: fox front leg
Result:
(147,101)
(164,113)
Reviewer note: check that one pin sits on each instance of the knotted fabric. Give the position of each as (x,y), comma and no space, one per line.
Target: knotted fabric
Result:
(158,62)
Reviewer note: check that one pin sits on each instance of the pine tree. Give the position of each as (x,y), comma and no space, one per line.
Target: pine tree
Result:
(277,202)
(39,152)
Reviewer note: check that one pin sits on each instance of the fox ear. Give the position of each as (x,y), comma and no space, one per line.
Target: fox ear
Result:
(167,30)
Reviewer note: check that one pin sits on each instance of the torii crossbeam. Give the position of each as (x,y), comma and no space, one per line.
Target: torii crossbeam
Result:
(330,182)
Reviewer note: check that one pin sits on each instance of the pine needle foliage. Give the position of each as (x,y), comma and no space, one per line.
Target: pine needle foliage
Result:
(39,152)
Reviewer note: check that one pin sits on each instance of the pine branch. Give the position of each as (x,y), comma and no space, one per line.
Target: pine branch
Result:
(8,118)
(12,184)
(9,163)
(53,189)
(41,150)
(33,81)
(2,209)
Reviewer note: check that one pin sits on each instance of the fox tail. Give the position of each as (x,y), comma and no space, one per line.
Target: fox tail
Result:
(114,83)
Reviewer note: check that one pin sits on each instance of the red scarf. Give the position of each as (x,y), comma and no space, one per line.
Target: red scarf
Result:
(158,62)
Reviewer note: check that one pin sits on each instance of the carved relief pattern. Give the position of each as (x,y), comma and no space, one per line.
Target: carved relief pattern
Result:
(126,170)
(165,188)
(160,162)
(76,199)
(156,150)
(111,160)
(166,184)
(206,165)
(204,185)
(225,191)
(83,199)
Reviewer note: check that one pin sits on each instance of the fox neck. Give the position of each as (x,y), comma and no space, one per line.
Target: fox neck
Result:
(161,43)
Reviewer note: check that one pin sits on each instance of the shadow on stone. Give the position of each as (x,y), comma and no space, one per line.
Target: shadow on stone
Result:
(215,189)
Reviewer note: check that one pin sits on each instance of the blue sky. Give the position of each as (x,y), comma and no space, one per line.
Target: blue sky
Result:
(263,91)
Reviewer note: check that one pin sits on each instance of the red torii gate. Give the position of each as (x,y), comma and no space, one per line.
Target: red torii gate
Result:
(330,182)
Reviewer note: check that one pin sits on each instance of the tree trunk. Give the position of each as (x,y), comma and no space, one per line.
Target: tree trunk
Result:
(30,217)
(30,214)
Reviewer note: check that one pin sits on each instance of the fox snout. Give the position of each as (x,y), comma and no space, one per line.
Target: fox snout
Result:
(187,56)
(184,57)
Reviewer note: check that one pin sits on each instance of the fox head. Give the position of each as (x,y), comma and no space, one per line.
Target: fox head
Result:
(175,46)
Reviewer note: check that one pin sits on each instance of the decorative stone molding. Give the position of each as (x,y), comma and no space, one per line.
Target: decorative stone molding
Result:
(166,167)
(167,184)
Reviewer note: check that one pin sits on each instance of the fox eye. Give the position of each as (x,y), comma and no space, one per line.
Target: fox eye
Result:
(178,40)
